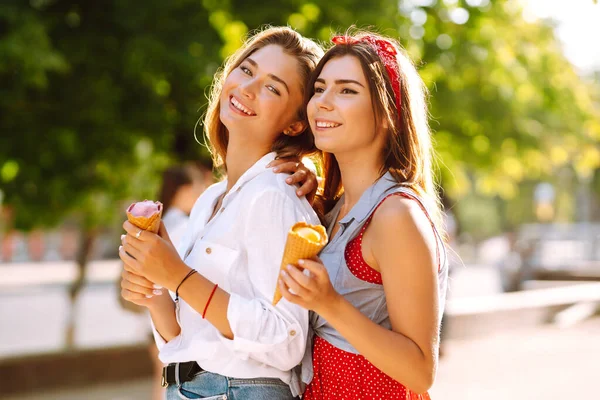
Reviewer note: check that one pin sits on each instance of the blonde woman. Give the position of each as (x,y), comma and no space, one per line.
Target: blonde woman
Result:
(221,336)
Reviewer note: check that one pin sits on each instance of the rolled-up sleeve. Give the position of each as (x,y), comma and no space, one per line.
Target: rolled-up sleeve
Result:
(274,335)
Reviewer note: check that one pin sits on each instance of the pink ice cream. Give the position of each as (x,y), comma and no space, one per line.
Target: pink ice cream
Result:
(145,215)
(146,208)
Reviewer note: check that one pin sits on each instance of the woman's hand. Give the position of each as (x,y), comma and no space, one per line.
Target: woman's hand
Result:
(300,175)
(139,290)
(313,292)
(152,256)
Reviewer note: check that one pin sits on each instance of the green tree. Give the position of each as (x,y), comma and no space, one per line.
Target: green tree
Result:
(507,108)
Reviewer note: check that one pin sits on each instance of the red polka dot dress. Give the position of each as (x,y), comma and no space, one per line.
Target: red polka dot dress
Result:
(340,375)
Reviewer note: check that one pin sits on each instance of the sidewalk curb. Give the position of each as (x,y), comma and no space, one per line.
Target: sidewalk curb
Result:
(487,315)
(74,369)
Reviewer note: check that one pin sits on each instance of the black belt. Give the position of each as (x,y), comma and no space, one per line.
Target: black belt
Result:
(186,372)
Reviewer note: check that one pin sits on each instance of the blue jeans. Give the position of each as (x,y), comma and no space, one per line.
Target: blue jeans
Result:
(207,385)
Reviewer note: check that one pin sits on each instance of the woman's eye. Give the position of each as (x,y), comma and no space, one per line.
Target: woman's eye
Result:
(272,89)
(319,90)
(349,91)
(246,70)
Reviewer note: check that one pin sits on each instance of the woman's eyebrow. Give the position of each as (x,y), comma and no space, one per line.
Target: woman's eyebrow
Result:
(341,81)
(274,77)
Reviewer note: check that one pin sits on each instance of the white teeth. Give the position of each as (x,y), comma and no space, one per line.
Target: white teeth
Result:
(322,124)
(240,107)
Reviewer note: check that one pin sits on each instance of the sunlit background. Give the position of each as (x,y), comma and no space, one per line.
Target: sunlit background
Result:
(99,97)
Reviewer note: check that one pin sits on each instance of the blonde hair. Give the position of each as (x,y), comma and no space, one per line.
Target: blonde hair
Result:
(304,50)
(408,152)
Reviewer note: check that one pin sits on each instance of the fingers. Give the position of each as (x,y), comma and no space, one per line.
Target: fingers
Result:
(131,264)
(299,276)
(292,284)
(139,280)
(286,294)
(300,176)
(287,166)
(133,297)
(137,233)
(127,242)
(280,161)
(309,186)
(139,289)
(316,268)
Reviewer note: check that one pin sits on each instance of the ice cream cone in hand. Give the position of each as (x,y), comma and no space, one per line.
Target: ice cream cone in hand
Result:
(145,215)
(303,241)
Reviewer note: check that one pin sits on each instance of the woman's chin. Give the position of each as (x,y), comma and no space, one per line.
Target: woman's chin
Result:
(327,146)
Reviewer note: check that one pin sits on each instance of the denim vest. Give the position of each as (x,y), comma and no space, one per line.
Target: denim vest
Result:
(367,297)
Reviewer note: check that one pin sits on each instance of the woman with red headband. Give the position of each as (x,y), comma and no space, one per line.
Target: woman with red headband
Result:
(378,289)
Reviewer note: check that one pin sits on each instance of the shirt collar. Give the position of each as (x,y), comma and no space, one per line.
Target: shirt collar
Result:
(367,201)
(257,168)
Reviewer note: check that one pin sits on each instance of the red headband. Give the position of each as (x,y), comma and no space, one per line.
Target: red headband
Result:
(386,52)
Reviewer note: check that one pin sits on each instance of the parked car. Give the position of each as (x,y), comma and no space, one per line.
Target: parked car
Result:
(551,252)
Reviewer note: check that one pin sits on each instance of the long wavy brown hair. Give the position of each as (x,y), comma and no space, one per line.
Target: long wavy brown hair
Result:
(408,152)
(305,51)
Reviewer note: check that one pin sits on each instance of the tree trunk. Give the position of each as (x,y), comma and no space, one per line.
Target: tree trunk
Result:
(82,259)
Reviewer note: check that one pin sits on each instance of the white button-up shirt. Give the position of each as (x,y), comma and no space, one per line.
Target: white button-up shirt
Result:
(241,250)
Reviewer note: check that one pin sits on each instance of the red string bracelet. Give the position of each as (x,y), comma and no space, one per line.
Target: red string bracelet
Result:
(209,299)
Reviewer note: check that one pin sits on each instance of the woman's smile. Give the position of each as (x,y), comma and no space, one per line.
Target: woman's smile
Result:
(237,105)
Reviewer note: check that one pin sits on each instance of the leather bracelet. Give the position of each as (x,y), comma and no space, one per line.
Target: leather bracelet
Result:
(209,299)
(192,272)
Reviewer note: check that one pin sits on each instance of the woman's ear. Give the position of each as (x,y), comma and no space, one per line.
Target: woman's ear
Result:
(295,129)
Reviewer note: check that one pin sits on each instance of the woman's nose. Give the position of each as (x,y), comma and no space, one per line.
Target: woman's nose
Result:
(324,101)
(248,88)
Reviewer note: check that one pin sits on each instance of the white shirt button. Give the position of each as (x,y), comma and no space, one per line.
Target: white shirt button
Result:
(208,250)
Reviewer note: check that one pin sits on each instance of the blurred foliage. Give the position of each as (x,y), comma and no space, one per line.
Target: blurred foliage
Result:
(97,97)
(506,104)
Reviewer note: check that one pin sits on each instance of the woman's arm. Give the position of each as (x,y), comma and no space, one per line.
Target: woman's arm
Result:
(156,260)
(404,248)
(251,327)
(274,335)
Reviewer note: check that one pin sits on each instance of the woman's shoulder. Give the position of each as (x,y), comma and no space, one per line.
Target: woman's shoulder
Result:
(401,216)
(271,189)
(269,184)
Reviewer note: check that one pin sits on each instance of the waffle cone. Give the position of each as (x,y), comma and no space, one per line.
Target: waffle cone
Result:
(151,223)
(298,247)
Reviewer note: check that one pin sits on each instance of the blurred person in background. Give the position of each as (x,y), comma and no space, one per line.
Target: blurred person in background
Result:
(222,336)
(378,289)
(7,242)
(181,187)
(36,245)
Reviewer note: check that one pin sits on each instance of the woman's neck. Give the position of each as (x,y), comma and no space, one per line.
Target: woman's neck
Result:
(358,171)
(239,159)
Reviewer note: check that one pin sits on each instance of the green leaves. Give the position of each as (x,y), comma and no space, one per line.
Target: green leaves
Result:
(99,96)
